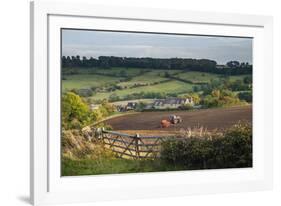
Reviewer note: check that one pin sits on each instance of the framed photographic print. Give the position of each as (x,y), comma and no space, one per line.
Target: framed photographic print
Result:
(162,104)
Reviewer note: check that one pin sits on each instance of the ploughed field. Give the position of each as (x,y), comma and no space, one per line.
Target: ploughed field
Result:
(210,119)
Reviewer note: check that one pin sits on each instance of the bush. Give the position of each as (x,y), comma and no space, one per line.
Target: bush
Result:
(221,98)
(192,153)
(231,150)
(114,98)
(140,106)
(186,106)
(75,112)
(83,92)
(247,96)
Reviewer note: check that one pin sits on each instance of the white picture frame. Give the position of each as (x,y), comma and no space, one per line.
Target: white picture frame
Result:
(47,186)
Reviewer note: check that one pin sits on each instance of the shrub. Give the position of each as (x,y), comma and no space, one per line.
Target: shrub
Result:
(186,106)
(83,92)
(192,153)
(221,98)
(114,98)
(75,112)
(230,150)
(247,96)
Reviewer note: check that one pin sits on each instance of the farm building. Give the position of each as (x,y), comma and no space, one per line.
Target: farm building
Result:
(128,107)
(172,103)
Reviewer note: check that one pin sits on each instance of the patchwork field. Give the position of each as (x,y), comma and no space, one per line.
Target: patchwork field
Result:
(171,86)
(147,78)
(134,80)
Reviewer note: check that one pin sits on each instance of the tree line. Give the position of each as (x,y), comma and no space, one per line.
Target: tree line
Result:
(188,64)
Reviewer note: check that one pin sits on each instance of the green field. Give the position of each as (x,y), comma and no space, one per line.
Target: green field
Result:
(198,77)
(238,77)
(147,78)
(201,77)
(79,81)
(120,71)
(167,87)
(134,80)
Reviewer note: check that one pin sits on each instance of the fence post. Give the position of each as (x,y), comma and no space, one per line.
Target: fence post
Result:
(137,146)
(102,132)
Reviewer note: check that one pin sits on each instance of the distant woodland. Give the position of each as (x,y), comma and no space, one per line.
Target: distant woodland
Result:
(187,64)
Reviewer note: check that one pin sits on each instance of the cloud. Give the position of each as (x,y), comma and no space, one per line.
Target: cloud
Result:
(98,43)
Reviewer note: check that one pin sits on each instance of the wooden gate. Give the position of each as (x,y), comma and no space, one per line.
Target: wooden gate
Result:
(132,146)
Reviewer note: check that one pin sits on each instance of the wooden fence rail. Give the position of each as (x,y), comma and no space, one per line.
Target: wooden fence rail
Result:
(132,146)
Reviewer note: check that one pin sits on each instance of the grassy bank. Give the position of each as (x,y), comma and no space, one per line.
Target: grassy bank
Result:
(113,166)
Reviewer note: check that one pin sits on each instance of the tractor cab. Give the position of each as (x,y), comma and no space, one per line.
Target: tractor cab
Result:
(174,119)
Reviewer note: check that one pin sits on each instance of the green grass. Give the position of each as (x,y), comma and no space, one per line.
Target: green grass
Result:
(203,77)
(147,78)
(112,166)
(198,77)
(238,77)
(117,70)
(87,80)
(167,87)
(79,81)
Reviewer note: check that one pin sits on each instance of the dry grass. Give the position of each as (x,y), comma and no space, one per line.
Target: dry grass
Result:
(196,131)
(76,146)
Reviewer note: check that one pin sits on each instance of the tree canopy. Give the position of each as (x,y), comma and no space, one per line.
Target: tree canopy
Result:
(188,64)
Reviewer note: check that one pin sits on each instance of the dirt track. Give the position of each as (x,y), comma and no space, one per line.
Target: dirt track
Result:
(208,118)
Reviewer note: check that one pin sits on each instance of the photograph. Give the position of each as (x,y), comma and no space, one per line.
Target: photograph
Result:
(135,102)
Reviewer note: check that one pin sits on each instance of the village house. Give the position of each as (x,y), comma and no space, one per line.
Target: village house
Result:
(171,103)
(129,106)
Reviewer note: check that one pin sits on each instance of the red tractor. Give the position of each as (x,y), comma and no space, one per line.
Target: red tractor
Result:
(172,119)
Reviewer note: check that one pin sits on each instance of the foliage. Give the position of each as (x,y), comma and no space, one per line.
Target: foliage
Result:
(75,112)
(186,106)
(238,85)
(76,146)
(203,65)
(248,80)
(223,92)
(224,84)
(83,92)
(194,96)
(110,108)
(221,98)
(231,149)
(141,106)
(247,96)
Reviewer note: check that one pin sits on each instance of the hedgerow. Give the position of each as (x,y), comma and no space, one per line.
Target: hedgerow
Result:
(231,149)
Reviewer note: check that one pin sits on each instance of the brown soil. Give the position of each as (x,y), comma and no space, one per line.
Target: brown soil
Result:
(210,119)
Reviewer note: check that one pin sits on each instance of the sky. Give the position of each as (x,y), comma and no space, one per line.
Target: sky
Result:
(92,43)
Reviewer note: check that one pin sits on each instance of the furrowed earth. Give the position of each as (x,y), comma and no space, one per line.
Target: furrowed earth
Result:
(210,119)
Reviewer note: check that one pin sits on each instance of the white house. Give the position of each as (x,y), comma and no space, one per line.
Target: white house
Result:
(172,103)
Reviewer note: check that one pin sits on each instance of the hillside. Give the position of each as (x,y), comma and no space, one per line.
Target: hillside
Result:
(121,82)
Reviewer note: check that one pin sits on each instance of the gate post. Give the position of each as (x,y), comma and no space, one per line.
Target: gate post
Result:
(137,146)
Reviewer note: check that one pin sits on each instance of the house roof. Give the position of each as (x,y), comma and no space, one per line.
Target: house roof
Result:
(170,101)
